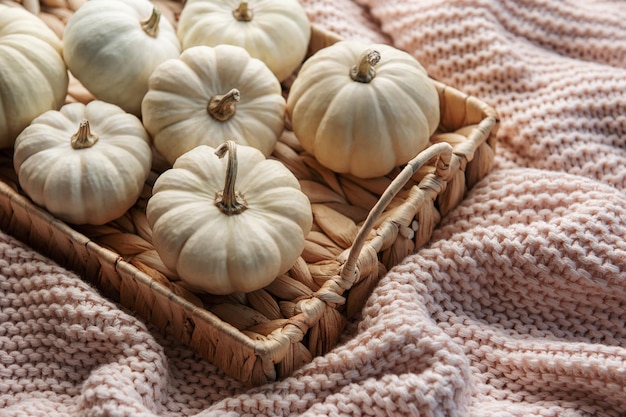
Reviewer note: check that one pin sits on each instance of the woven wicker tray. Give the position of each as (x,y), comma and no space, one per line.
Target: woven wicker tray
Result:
(361,229)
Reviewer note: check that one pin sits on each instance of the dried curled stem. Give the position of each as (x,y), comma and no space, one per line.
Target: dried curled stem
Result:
(223,106)
(229,201)
(151,24)
(242,12)
(84,137)
(364,70)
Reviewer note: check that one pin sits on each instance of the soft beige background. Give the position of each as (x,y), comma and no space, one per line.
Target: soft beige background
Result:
(516,308)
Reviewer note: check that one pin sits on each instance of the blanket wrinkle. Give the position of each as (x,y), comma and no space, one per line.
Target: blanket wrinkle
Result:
(545,323)
(516,307)
(425,371)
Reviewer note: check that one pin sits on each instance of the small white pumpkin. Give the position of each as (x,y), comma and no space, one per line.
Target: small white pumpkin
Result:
(210,95)
(33,78)
(228,225)
(112,47)
(85,164)
(363,109)
(275,31)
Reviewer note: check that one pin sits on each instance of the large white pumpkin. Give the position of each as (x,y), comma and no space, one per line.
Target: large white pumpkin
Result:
(112,47)
(275,31)
(363,109)
(210,95)
(228,224)
(33,76)
(86,164)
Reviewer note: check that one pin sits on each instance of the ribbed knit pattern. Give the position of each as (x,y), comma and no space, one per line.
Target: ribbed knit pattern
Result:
(517,306)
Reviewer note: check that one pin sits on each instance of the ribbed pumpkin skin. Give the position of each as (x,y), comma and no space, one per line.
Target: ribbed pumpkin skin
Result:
(33,78)
(107,50)
(363,129)
(218,253)
(84,186)
(278,33)
(175,106)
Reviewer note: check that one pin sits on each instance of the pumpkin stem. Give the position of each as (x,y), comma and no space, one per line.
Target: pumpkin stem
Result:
(151,24)
(229,201)
(222,107)
(84,137)
(364,71)
(242,12)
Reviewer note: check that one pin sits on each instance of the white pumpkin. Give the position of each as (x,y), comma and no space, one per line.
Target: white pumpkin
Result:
(112,47)
(363,109)
(85,164)
(230,224)
(275,31)
(211,95)
(33,78)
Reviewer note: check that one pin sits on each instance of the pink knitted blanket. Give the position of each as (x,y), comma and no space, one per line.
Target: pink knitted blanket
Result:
(517,307)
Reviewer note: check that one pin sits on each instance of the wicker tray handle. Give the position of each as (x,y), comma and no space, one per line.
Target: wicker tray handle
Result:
(360,256)
(443,151)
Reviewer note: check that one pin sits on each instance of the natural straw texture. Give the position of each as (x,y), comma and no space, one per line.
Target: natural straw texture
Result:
(515,307)
(266,335)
